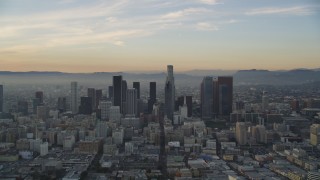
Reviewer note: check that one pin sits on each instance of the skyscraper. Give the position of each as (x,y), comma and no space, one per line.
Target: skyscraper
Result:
(207,98)
(74,97)
(117,91)
(189,105)
(225,91)
(92,94)
(169,93)
(124,97)
(85,106)
(136,85)
(62,104)
(110,93)
(132,102)
(152,96)
(1,98)
(98,97)
(39,95)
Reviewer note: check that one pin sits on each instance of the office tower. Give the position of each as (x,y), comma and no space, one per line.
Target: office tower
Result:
(85,106)
(207,98)
(92,94)
(259,133)
(136,85)
(225,89)
(1,98)
(74,97)
(241,133)
(105,109)
(62,104)
(189,105)
(124,97)
(178,103)
(169,93)
(39,95)
(265,101)
(110,93)
(215,97)
(117,91)
(98,97)
(152,96)
(132,102)
(23,107)
(315,134)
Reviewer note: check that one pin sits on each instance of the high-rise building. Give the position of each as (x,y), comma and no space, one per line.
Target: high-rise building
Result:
(62,104)
(136,85)
(85,106)
(169,93)
(152,96)
(1,98)
(117,91)
(98,97)
(39,95)
(179,103)
(132,102)
(241,133)
(105,109)
(42,112)
(74,97)
(35,104)
(124,97)
(92,94)
(189,105)
(110,93)
(315,134)
(115,114)
(225,89)
(207,98)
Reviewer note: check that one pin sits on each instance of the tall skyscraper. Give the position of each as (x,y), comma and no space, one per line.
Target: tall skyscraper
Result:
(92,94)
(39,95)
(315,134)
(124,97)
(110,93)
(169,93)
(189,105)
(225,89)
(74,97)
(85,106)
(207,98)
(152,96)
(105,109)
(179,103)
(132,102)
(136,85)
(241,133)
(117,91)
(1,98)
(98,97)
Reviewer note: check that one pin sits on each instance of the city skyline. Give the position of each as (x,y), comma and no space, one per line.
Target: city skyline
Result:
(99,36)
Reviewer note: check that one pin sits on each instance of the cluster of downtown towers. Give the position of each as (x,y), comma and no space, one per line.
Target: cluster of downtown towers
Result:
(216,97)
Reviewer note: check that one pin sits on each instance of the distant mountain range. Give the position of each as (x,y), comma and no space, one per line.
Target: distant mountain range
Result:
(241,77)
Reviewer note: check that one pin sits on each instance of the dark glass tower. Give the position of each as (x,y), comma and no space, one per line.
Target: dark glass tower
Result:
(92,94)
(225,89)
(169,93)
(117,91)
(152,96)
(207,98)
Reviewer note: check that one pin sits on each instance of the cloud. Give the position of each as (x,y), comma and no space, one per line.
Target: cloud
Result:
(210,2)
(206,26)
(296,10)
(184,12)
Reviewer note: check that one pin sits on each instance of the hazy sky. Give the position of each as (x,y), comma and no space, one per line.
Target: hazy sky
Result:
(120,35)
